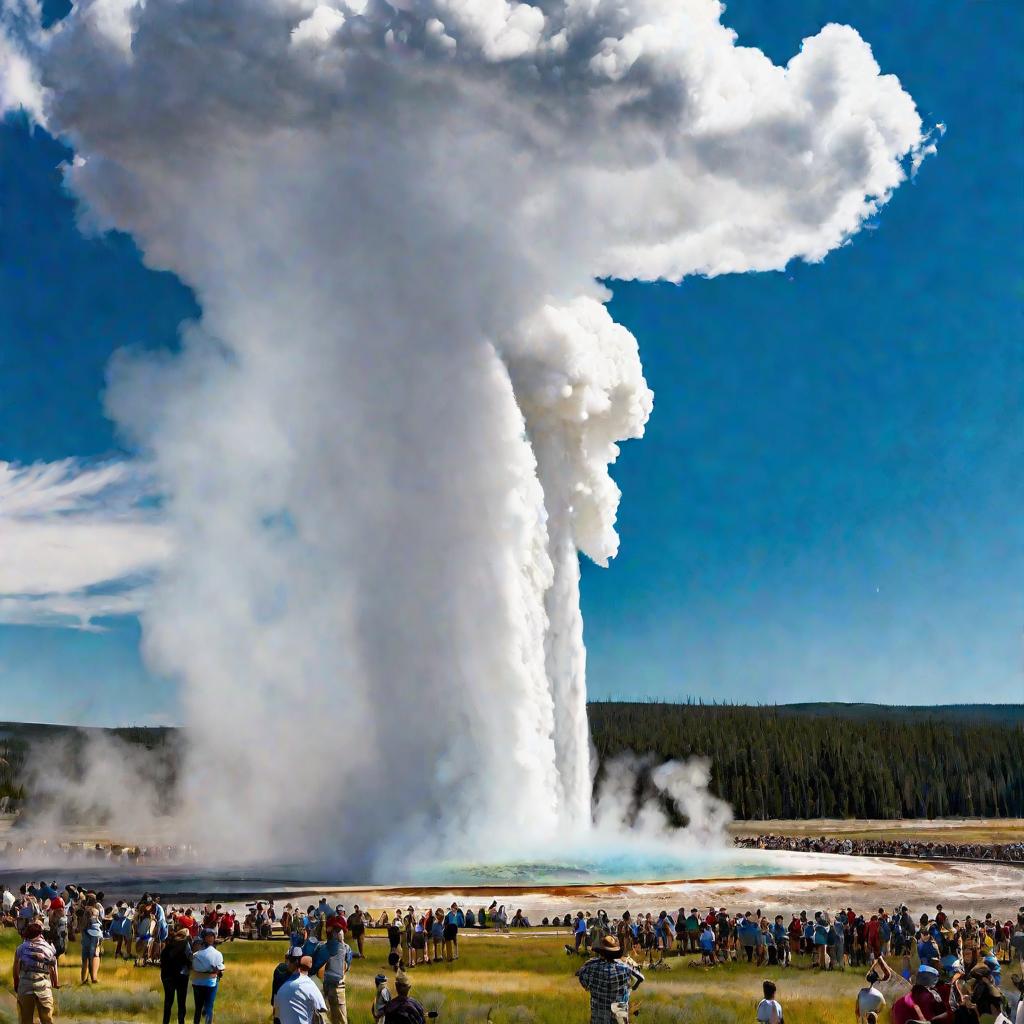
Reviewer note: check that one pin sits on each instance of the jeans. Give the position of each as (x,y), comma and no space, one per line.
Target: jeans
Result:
(175,988)
(204,995)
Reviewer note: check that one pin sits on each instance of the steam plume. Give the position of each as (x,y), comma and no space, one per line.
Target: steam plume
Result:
(389,436)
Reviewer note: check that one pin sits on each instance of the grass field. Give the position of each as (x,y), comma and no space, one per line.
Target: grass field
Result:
(504,979)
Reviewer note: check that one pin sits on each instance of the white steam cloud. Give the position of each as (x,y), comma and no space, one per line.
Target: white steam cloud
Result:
(388,438)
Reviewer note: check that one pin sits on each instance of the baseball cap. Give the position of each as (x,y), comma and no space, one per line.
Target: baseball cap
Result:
(295,953)
(928,973)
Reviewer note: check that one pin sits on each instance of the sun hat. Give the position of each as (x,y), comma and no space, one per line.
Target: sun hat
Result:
(402,982)
(609,947)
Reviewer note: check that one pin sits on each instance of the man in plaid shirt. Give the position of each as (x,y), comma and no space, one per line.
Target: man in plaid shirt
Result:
(609,982)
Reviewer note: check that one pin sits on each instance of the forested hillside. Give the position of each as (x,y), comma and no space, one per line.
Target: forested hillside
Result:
(775,762)
(785,761)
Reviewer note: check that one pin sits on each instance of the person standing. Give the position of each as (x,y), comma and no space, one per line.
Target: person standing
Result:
(451,933)
(769,1010)
(609,982)
(357,929)
(58,931)
(35,976)
(395,938)
(175,964)
(381,997)
(160,929)
(121,931)
(207,970)
(92,941)
(298,1000)
(282,972)
(335,958)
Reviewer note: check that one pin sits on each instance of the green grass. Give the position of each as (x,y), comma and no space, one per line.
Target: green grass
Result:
(503,979)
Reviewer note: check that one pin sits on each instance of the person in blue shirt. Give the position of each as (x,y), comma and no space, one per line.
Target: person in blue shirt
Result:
(450,933)
(580,932)
(781,936)
(334,957)
(927,949)
(707,945)
(746,932)
(820,937)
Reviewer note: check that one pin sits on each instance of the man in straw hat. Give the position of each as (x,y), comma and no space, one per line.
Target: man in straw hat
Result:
(609,981)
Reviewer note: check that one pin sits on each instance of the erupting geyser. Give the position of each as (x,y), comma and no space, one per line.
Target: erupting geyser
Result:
(386,441)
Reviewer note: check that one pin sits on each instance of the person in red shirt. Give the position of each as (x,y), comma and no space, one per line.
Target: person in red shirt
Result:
(872,937)
(188,922)
(338,921)
(796,931)
(921,1003)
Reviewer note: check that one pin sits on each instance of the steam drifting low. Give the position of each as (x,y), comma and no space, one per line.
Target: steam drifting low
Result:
(386,441)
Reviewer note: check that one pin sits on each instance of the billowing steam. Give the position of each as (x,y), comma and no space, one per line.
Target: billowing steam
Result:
(388,438)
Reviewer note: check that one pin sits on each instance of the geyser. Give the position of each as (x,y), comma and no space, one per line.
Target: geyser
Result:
(383,446)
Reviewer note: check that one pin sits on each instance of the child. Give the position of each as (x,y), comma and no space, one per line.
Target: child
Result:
(381,998)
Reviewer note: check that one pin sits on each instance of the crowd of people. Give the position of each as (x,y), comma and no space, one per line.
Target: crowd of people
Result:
(930,966)
(29,847)
(909,848)
(832,941)
(949,971)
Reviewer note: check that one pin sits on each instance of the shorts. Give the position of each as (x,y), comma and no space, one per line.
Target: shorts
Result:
(162,932)
(419,940)
(450,932)
(91,946)
(357,930)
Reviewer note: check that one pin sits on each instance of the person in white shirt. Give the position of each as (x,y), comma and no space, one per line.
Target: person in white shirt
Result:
(207,969)
(871,998)
(769,1010)
(299,1000)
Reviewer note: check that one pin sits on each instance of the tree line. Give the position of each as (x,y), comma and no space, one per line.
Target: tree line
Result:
(768,762)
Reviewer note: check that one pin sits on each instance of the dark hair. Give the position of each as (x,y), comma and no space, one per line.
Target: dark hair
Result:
(769,989)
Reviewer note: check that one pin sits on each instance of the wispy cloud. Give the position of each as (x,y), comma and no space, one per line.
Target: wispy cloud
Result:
(79,540)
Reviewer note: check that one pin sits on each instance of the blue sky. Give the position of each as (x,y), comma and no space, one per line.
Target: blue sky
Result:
(827,504)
